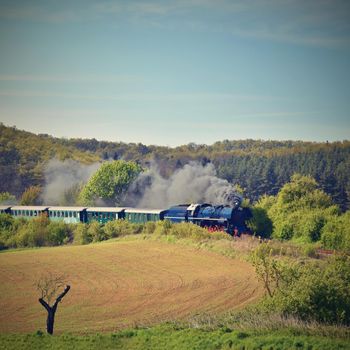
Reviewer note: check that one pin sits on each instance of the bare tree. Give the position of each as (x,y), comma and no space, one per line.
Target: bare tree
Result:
(49,286)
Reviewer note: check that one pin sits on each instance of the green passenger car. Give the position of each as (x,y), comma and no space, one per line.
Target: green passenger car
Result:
(69,215)
(104,214)
(140,216)
(29,212)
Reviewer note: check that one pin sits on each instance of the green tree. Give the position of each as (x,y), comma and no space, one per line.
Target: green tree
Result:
(336,233)
(110,182)
(268,270)
(300,210)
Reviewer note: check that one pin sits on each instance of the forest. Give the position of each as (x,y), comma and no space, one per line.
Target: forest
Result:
(258,167)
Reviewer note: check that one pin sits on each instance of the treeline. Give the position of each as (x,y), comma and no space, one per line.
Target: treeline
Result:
(260,167)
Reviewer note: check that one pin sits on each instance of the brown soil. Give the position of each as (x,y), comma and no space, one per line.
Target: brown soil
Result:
(121,284)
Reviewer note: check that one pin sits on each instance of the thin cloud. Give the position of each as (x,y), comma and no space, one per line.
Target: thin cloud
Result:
(142,97)
(321,23)
(70,79)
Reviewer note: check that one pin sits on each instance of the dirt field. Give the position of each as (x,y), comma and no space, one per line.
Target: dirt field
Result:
(121,284)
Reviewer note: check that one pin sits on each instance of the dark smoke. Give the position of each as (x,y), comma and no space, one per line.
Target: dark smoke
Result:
(194,183)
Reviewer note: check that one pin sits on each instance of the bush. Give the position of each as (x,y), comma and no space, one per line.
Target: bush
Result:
(32,234)
(80,234)
(59,233)
(316,291)
(336,233)
(260,223)
(163,228)
(149,228)
(96,232)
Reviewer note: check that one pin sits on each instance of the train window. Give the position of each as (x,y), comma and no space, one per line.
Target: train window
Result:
(35,213)
(75,214)
(70,214)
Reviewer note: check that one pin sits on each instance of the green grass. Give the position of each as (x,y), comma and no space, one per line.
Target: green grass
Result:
(170,336)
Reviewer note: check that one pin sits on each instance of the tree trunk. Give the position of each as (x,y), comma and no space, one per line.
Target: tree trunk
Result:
(50,320)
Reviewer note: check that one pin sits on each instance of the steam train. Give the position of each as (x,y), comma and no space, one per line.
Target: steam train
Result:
(221,217)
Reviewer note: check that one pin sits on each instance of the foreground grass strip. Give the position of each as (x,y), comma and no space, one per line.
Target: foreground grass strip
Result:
(169,337)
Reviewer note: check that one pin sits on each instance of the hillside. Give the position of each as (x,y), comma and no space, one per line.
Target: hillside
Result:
(257,166)
(121,284)
(23,155)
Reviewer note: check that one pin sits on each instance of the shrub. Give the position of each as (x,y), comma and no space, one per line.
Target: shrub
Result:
(315,291)
(260,223)
(336,233)
(163,228)
(149,227)
(59,233)
(81,235)
(96,232)
(31,235)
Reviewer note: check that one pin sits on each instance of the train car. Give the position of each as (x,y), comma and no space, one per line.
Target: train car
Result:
(5,209)
(29,212)
(177,213)
(140,216)
(69,215)
(104,214)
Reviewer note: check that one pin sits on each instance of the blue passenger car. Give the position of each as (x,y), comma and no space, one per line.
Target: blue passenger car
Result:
(177,213)
(104,214)
(69,215)
(5,209)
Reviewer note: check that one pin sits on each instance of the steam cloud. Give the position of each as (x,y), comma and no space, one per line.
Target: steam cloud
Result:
(63,176)
(194,183)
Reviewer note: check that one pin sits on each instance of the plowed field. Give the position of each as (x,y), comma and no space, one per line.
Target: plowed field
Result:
(121,284)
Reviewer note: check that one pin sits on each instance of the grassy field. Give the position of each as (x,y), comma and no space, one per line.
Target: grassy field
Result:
(115,285)
(168,337)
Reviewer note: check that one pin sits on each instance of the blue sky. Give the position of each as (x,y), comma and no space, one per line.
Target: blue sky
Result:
(174,72)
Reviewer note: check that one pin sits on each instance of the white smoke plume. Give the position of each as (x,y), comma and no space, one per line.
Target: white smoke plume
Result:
(62,176)
(194,183)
